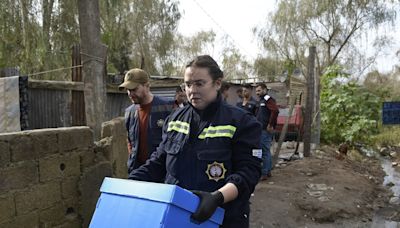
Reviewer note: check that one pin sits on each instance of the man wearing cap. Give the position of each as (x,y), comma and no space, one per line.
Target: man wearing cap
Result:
(267,114)
(144,118)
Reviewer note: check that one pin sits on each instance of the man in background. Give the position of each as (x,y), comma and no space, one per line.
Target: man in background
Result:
(239,93)
(180,98)
(225,90)
(144,118)
(248,103)
(266,114)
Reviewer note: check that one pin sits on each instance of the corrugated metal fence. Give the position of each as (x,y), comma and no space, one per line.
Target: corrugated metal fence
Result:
(60,107)
(59,104)
(48,108)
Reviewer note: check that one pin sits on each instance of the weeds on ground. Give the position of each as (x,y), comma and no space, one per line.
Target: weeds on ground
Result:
(389,136)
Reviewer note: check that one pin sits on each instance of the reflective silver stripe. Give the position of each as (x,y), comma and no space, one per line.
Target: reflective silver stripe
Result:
(178,126)
(218,131)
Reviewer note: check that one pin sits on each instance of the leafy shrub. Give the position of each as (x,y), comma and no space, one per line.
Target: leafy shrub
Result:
(349,113)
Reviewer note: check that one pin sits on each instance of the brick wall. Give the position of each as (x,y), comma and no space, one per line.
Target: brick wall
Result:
(51,177)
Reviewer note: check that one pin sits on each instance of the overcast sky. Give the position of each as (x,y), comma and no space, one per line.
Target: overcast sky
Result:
(236,18)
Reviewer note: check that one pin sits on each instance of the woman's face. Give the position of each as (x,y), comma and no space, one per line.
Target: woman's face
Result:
(200,88)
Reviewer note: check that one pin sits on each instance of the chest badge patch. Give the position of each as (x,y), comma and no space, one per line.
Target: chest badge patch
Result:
(216,171)
(160,122)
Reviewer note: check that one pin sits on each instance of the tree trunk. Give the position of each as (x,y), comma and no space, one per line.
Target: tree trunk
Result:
(94,61)
(46,21)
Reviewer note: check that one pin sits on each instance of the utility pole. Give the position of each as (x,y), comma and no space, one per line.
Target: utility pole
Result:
(93,54)
(308,116)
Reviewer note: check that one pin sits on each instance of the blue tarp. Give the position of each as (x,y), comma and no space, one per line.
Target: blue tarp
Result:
(391,112)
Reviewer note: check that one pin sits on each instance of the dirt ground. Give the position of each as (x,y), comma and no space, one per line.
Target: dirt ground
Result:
(322,191)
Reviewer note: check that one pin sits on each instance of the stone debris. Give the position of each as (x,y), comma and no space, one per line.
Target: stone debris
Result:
(315,193)
(318,190)
(319,187)
(384,151)
(395,200)
(393,154)
(323,198)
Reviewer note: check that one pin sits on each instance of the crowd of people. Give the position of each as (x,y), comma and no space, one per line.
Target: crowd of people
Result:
(200,142)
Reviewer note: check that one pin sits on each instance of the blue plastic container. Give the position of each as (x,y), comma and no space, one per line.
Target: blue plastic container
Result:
(129,203)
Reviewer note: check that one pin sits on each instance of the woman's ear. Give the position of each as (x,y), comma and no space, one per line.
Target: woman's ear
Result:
(218,83)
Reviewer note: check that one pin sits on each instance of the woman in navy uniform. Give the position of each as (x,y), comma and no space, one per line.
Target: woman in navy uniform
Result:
(208,147)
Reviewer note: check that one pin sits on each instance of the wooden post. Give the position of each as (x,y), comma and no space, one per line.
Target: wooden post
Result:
(93,54)
(309,102)
(316,124)
(77,99)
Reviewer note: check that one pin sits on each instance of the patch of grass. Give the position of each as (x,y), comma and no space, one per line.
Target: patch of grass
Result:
(389,136)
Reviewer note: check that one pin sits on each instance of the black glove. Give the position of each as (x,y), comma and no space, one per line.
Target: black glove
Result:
(208,204)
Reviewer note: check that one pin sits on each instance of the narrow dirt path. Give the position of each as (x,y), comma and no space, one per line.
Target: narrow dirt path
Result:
(321,191)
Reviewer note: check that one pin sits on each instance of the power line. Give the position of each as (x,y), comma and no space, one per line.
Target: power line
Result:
(222,29)
(53,70)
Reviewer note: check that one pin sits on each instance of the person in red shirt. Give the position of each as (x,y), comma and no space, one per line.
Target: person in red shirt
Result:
(267,115)
(144,118)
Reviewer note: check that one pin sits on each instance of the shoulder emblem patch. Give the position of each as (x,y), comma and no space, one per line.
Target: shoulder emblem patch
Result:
(257,153)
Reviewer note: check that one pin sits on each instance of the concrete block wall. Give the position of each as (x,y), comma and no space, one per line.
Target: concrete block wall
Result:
(113,145)
(50,177)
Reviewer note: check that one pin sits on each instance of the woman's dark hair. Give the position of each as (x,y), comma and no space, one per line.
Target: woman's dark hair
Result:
(205,61)
(225,86)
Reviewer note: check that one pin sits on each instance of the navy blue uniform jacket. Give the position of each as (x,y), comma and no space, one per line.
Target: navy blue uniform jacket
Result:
(204,150)
(160,109)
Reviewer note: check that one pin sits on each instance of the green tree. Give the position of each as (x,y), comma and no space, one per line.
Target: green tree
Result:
(38,34)
(115,33)
(21,37)
(64,33)
(388,84)
(332,26)
(270,69)
(152,26)
(186,48)
(349,112)
(235,65)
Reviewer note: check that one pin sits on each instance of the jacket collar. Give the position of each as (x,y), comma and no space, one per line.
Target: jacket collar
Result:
(211,109)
